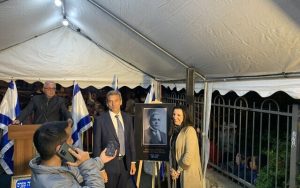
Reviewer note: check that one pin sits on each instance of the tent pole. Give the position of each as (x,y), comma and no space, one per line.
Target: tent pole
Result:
(190,87)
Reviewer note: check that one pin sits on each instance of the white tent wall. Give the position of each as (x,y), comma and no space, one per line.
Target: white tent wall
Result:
(264,87)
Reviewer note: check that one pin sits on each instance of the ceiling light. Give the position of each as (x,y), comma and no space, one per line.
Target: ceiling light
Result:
(58,3)
(65,22)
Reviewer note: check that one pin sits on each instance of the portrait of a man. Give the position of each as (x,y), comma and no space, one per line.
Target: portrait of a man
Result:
(155,126)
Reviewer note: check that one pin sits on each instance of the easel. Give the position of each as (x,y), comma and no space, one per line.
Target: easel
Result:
(155,171)
(155,168)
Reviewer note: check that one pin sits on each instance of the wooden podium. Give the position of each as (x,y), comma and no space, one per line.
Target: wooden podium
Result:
(24,150)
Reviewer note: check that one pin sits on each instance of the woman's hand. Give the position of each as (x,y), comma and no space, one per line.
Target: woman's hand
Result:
(174,174)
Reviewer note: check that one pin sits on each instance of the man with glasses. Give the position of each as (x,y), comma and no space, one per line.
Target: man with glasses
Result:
(45,108)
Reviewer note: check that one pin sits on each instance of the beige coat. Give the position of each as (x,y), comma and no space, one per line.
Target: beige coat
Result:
(188,158)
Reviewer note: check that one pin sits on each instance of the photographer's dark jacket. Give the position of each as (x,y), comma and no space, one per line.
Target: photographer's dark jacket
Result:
(45,110)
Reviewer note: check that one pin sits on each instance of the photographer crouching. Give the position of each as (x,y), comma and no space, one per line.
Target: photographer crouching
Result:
(60,165)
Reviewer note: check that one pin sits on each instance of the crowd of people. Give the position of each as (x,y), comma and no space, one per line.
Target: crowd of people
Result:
(53,168)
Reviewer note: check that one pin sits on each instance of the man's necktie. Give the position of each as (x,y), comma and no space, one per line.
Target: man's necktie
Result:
(121,136)
(157,135)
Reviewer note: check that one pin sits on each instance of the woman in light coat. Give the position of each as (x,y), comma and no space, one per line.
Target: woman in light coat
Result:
(185,162)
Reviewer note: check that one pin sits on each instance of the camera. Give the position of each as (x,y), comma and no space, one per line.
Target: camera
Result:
(63,152)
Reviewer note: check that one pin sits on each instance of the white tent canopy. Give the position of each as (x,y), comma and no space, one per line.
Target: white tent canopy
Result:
(67,57)
(220,39)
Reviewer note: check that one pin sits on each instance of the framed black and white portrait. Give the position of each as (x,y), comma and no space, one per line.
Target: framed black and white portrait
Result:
(155,126)
(152,123)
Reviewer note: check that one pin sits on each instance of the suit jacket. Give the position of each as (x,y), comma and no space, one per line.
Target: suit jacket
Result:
(151,138)
(45,110)
(104,132)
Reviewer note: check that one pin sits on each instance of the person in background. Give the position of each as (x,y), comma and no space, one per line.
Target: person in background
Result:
(153,134)
(130,103)
(252,170)
(185,162)
(50,170)
(115,126)
(38,89)
(45,108)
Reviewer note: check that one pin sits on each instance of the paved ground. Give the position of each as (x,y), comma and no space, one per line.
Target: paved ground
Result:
(213,178)
(216,180)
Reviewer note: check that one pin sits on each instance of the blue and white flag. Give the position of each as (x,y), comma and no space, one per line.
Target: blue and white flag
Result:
(80,115)
(9,110)
(150,95)
(115,83)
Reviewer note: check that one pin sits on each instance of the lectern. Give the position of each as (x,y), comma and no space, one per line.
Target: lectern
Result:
(24,150)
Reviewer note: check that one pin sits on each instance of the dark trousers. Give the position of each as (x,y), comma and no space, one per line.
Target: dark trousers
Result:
(119,177)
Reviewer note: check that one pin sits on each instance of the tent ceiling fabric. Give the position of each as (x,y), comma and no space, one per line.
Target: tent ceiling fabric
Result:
(220,39)
(22,20)
(65,60)
(116,38)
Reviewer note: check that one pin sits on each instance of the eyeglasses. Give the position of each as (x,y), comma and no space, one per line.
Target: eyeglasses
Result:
(50,88)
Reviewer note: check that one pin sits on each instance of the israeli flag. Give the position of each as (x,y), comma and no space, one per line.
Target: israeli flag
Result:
(9,110)
(80,115)
(150,95)
(115,83)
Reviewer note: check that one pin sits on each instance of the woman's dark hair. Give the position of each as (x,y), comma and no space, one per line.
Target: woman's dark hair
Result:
(48,137)
(186,118)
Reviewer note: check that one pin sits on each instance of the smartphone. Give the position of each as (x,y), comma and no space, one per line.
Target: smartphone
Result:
(111,148)
(64,153)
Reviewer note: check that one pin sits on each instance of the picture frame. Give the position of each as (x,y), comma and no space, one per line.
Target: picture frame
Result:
(151,127)
(21,181)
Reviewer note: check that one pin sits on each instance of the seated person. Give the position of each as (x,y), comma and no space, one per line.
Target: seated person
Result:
(240,165)
(246,170)
(50,170)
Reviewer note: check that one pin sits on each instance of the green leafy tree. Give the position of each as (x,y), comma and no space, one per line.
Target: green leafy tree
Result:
(267,180)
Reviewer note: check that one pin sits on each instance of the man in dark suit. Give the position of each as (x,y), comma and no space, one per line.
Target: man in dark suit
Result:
(115,125)
(153,134)
(46,107)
